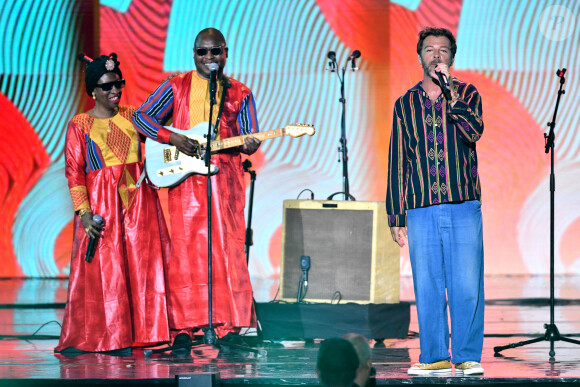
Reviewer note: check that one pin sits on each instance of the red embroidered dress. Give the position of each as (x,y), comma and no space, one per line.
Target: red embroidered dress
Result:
(118,299)
(185,99)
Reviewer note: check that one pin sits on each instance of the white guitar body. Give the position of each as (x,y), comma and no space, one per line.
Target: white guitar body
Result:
(166,166)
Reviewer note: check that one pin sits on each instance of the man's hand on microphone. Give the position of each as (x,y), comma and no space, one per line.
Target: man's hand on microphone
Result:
(92,228)
(182,143)
(251,145)
(443,68)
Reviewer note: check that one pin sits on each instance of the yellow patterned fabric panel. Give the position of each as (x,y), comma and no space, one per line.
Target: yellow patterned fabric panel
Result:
(116,138)
(80,197)
(199,101)
(84,121)
(127,188)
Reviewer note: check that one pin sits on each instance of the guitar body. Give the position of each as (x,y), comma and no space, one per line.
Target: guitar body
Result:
(166,166)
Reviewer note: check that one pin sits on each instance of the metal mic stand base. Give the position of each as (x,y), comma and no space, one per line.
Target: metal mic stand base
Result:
(209,339)
(552,335)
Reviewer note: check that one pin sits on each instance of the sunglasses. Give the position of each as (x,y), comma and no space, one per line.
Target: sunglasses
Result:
(119,84)
(215,51)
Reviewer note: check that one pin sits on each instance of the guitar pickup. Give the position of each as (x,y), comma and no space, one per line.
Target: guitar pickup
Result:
(167,155)
(170,171)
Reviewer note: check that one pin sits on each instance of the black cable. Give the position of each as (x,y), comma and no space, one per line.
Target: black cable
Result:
(306,189)
(276,295)
(337,295)
(45,324)
(34,335)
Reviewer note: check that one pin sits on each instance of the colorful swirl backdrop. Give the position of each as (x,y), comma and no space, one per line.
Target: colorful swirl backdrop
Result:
(509,49)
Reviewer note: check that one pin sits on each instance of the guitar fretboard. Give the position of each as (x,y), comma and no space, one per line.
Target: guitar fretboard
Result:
(237,141)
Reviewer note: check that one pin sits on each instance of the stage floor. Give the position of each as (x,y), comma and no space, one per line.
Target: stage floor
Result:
(516,309)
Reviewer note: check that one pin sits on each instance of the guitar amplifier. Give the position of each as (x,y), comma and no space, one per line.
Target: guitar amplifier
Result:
(353,257)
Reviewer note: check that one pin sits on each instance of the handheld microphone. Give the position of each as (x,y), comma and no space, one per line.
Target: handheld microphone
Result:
(92,246)
(444,85)
(305,266)
(213,69)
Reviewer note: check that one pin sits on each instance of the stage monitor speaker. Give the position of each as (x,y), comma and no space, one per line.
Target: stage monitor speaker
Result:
(352,255)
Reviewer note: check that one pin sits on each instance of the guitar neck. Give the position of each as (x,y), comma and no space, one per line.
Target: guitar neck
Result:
(238,141)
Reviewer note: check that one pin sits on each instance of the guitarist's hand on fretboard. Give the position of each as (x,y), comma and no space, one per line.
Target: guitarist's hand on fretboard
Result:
(251,145)
(182,143)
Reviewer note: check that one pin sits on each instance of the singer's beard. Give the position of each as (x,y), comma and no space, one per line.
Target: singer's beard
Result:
(428,70)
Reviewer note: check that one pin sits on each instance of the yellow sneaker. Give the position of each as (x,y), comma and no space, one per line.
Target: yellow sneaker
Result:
(468,368)
(439,368)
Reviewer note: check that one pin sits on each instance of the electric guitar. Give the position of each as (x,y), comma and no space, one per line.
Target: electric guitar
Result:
(166,166)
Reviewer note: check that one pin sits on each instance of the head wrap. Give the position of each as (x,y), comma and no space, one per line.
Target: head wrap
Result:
(98,67)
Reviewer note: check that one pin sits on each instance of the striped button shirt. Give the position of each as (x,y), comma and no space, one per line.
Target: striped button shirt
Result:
(432,157)
(159,107)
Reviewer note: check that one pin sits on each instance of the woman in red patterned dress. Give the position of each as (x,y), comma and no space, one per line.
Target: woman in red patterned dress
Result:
(117,299)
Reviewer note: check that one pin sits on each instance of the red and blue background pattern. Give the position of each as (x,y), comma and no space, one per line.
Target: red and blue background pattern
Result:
(509,50)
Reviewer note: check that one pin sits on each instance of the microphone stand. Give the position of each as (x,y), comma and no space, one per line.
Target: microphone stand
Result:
(343,149)
(209,336)
(552,334)
(247,164)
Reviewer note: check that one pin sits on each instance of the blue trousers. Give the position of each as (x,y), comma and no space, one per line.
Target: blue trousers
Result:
(446,248)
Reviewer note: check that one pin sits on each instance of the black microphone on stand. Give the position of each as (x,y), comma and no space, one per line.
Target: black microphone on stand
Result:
(355,54)
(444,85)
(93,241)
(560,73)
(332,63)
(213,70)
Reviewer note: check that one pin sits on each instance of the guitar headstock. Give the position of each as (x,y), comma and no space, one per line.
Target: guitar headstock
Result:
(297,130)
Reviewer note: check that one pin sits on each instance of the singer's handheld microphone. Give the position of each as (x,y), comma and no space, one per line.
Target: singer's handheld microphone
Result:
(444,85)
(331,55)
(305,266)
(93,241)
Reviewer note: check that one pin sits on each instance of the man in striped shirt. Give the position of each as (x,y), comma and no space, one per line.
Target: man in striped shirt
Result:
(433,199)
(185,100)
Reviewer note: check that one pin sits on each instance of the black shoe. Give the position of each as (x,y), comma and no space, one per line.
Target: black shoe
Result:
(119,352)
(115,352)
(233,338)
(182,340)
